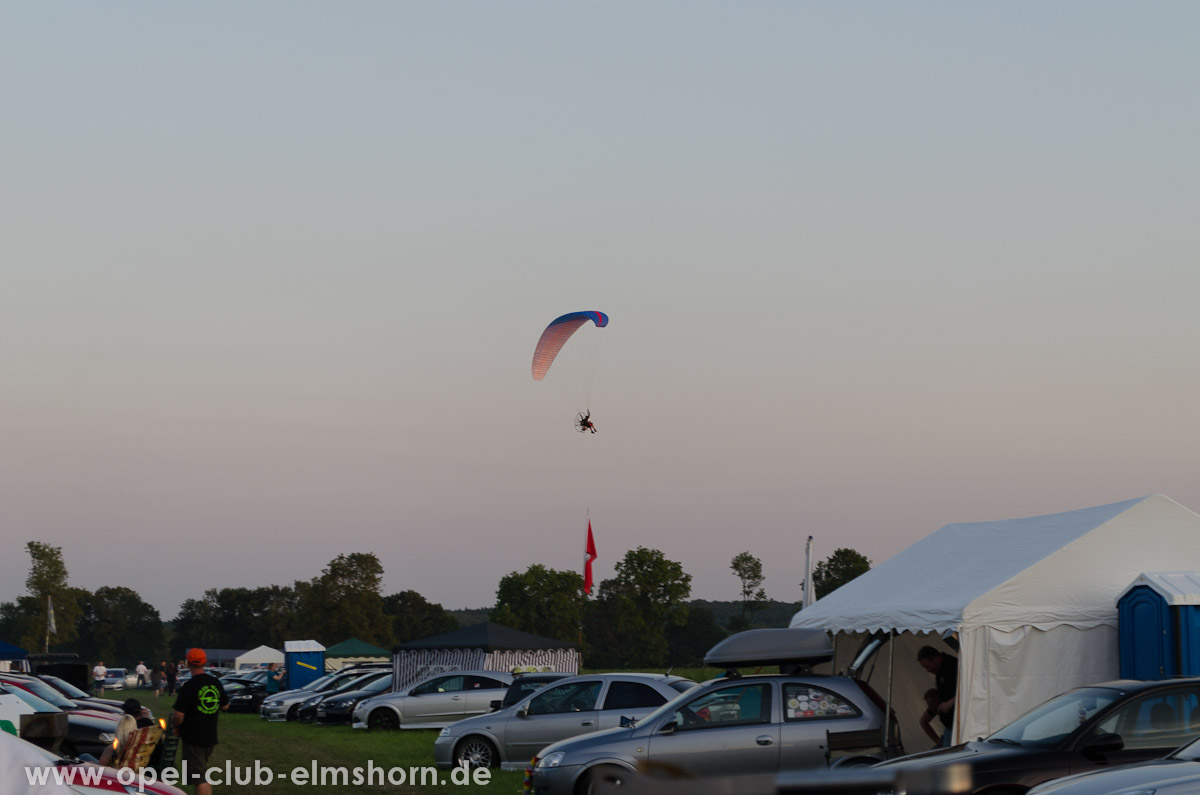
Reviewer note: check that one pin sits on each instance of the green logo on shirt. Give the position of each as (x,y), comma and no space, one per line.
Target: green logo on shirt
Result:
(208,700)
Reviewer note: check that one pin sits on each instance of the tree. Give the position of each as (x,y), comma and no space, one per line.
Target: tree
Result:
(47,580)
(748,569)
(627,624)
(838,569)
(117,624)
(541,601)
(687,644)
(414,617)
(346,602)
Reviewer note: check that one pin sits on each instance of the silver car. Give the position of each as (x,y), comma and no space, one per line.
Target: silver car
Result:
(511,736)
(738,726)
(434,702)
(285,705)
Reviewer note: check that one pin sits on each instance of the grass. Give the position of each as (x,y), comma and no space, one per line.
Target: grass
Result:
(246,739)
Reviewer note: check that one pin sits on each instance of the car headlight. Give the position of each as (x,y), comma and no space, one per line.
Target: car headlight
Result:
(445,732)
(275,702)
(551,760)
(107,737)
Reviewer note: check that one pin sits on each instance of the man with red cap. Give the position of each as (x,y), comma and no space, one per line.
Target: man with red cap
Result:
(195,719)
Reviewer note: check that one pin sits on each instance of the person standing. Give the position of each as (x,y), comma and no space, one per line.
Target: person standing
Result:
(274,678)
(194,718)
(141,672)
(99,674)
(157,677)
(171,677)
(944,668)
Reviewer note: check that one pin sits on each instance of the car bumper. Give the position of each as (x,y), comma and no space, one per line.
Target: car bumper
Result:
(334,717)
(443,751)
(276,712)
(554,780)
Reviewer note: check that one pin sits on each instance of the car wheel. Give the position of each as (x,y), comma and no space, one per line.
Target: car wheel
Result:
(476,751)
(293,712)
(604,778)
(383,719)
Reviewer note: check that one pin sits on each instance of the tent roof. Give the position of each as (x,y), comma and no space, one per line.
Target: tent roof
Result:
(487,636)
(356,648)
(11,652)
(1175,587)
(261,654)
(1042,571)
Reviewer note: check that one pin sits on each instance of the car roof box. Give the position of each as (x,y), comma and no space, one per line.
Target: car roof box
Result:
(777,646)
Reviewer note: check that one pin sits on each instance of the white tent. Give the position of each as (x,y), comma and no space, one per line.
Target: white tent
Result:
(1033,603)
(256,658)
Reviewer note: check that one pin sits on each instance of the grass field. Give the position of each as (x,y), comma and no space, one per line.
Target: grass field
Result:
(247,739)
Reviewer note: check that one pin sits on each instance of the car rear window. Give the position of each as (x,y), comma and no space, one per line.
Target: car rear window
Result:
(632,695)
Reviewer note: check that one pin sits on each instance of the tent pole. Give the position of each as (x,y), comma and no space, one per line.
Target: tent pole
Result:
(887,715)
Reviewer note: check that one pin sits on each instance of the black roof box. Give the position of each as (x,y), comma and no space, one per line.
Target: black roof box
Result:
(791,645)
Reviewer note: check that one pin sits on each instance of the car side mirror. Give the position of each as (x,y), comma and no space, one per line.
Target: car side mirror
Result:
(670,726)
(1102,744)
(523,712)
(495,705)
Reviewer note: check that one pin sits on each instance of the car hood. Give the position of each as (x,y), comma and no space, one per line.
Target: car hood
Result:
(1158,774)
(974,754)
(465,725)
(590,743)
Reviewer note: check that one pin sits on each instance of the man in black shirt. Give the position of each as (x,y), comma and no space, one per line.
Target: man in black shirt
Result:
(195,719)
(944,668)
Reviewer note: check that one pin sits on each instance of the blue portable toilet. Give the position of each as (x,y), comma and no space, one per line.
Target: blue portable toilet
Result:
(1159,625)
(304,661)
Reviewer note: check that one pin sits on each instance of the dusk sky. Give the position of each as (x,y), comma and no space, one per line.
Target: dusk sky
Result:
(271,275)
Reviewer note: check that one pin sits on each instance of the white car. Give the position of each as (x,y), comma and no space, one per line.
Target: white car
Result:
(434,702)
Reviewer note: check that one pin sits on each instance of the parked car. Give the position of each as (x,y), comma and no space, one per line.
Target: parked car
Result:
(338,708)
(434,702)
(573,706)
(1178,773)
(115,679)
(286,705)
(308,708)
(18,758)
(245,695)
(732,726)
(1103,725)
(87,732)
(525,684)
(81,697)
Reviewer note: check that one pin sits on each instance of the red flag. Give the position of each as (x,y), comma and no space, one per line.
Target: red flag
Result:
(590,555)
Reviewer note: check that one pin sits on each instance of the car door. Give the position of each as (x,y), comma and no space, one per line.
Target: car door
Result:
(810,713)
(554,713)
(479,693)
(625,699)
(727,731)
(1150,726)
(440,700)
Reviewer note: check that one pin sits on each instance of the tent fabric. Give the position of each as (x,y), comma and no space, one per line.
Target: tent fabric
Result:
(356,648)
(258,657)
(1033,600)
(487,636)
(487,647)
(11,652)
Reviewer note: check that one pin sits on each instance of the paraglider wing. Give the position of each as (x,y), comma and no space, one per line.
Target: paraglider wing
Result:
(557,334)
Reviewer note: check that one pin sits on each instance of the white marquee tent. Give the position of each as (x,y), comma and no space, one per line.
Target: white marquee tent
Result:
(256,658)
(1033,603)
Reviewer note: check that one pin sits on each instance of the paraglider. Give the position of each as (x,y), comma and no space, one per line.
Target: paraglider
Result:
(573,372)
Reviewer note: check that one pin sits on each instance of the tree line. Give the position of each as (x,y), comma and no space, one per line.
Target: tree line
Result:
(641,617)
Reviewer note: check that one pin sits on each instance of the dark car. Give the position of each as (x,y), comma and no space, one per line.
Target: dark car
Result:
(337,708)
(285,705)
(1177,773)
(1103,725)
(245,695)
(87,732)
(307,713)
(525,684)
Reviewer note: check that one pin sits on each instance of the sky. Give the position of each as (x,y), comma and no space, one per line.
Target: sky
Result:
(272,274)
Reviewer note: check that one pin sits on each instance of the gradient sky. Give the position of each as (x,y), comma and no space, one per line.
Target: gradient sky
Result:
(271,275)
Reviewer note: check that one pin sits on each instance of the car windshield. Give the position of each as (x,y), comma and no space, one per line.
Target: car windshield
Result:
(382,683)
(65,687)
(318,684)
(1052,722)
(46,693)
(39,704)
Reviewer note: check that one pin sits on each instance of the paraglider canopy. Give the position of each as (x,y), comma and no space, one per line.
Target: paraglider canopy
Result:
(557,334)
